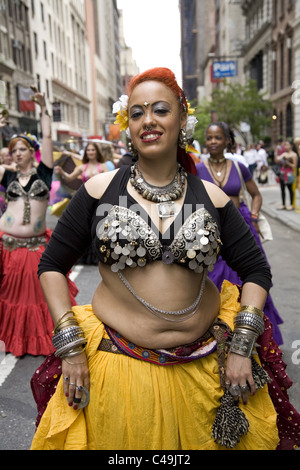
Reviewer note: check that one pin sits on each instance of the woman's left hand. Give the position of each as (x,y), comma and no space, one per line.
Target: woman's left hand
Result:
(3,121)
(239,380)
(256,226)
(38,97)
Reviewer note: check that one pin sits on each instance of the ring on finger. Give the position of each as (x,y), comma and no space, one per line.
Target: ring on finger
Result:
(244,388)
(235,390)
(85,398)
(72,385)
(76,400)
(66,378)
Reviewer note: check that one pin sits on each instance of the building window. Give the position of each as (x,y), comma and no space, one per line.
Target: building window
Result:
(282,65)
(47,89)
(36,46)
(281,124)
(256,72)
(42,13)
(289,121)
(275,10)
(4,44)
(290,61)
(274,61)
(45,50)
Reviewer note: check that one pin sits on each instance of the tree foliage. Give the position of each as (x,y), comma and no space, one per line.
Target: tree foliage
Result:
(235,104)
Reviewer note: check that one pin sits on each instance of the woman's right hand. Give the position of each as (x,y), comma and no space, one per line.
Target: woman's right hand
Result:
(58,170)
(75,376)
(3,121)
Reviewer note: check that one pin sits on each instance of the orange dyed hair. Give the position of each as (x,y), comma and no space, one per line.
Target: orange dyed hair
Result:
(163,75)
(15,140)
(167,77)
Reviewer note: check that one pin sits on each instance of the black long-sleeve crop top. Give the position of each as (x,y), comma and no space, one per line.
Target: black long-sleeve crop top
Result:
(124,236)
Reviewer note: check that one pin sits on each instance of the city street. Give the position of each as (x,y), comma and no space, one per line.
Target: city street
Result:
(17,407)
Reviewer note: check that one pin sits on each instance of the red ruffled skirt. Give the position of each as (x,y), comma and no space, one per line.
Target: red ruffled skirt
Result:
(26,325)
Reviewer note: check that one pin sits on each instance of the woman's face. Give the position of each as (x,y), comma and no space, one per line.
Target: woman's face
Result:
(216,141)
(287,146)
(6,157)
(155,119)
(91,152)
(21,154)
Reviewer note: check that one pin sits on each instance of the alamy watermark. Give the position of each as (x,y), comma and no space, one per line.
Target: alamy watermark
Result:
(296,94)
(296,353)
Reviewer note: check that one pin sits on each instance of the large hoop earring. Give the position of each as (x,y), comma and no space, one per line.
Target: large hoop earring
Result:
(182,139)
(132,150)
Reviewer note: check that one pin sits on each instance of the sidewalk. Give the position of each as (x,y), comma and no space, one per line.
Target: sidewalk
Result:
(272,199)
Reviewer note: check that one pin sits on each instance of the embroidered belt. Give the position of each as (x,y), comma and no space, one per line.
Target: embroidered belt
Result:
(200,348)
(32,243)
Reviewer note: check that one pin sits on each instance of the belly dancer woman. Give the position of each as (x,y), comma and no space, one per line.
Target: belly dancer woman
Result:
(223,173)
(143,367)
(26,325)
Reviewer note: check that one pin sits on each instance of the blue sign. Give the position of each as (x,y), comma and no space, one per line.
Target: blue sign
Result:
(225,69)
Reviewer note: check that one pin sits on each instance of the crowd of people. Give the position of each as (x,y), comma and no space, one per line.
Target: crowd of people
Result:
(178,349)
(283,160)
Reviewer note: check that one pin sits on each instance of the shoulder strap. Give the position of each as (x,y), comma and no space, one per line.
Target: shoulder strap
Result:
(117,186)
(244,195)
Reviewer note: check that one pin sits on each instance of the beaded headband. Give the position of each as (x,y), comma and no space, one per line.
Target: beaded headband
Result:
(30,139)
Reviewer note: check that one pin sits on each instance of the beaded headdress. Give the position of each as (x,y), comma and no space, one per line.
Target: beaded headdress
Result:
(29,138)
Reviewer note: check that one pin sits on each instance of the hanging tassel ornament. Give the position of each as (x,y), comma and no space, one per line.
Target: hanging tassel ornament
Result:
(26,211)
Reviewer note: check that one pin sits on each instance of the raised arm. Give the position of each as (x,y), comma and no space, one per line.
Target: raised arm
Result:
(68,177)
(3,123)
(47,146)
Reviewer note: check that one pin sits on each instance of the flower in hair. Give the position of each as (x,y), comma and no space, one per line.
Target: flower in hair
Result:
(121,109)
(190,110)
(191,122)
(190,126)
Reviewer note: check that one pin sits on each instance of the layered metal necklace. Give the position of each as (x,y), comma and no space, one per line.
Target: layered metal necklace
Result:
(164,196)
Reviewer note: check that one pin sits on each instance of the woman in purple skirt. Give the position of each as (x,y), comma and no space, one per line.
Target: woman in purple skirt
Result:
(224,173)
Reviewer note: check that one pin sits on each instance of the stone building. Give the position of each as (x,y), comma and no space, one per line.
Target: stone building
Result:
(16,64)
(283,69)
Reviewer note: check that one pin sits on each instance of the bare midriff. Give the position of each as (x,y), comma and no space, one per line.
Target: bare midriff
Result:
(11,221)
(171,288)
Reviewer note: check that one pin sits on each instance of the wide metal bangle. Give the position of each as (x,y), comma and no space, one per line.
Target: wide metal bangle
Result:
(251,309)
(71,349)
(249,320)
(66,336)
(243,342)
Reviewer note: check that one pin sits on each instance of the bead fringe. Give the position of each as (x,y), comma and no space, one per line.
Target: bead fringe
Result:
(231,423)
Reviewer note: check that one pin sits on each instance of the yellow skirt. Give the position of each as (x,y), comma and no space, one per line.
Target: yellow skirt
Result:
(136,405)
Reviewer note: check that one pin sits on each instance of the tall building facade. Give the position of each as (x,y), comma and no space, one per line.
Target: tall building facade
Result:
(128,65)
(102,20)
(283,68)
(190,77)
(70,50)
(16,64)
(60,64)
(296,83)
(261,36)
